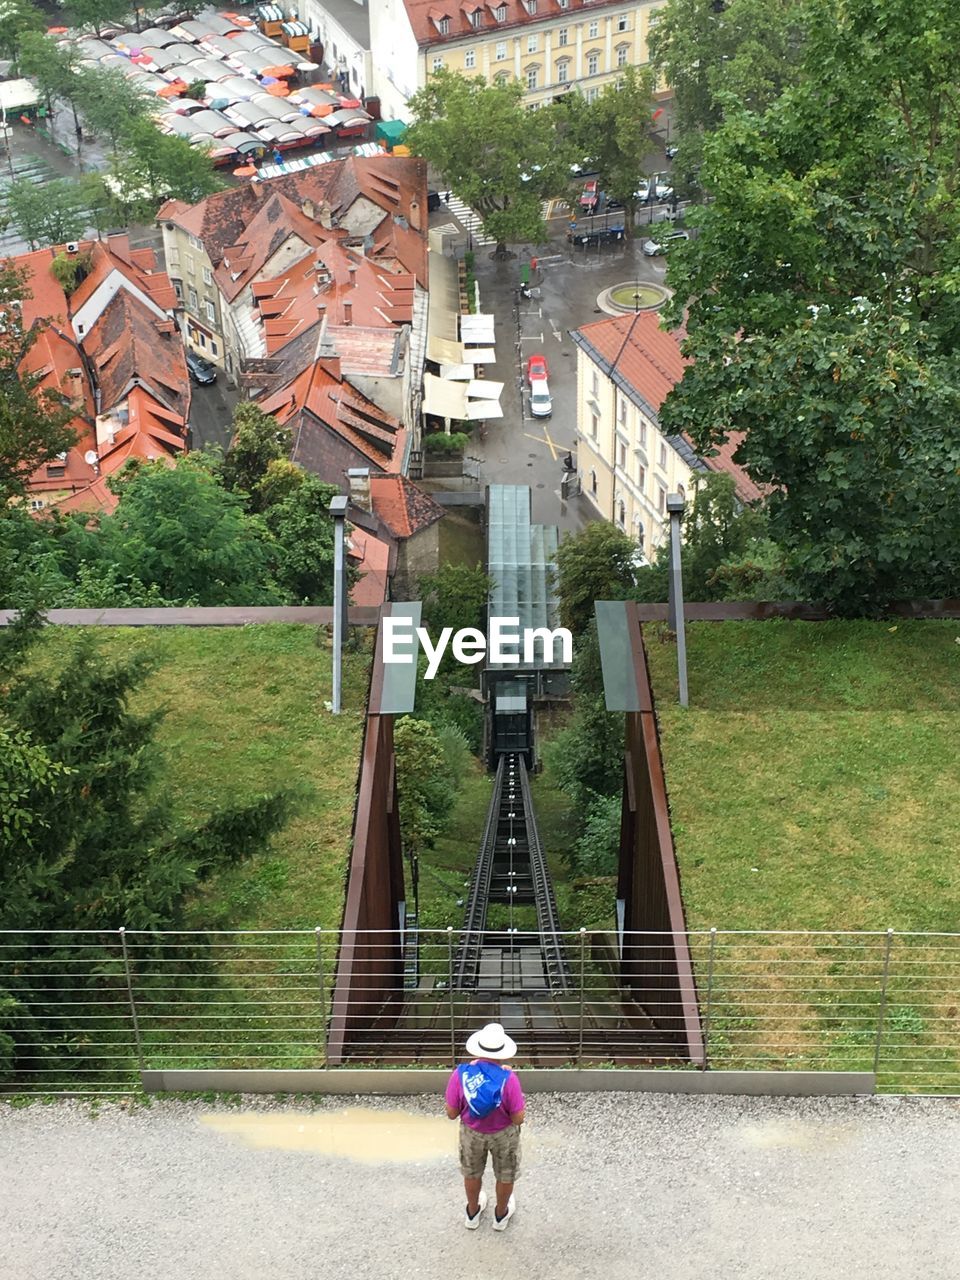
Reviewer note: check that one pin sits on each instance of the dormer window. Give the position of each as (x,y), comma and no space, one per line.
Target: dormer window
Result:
(501,13)
(476,18)
(443,26)
(530,6)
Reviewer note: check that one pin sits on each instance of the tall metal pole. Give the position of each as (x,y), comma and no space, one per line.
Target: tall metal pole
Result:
(675,505)
(338,509)
(583,959)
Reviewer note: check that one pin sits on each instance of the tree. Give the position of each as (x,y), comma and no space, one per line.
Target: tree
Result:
(614,131)
(425,786)
(110,103)
(34,423)
(258,439)
(55,69)
(48,212)
(744,52)
(156,166)
(822,306)
(500,158)
(19,19)
(178,528)
(595,564)
(455,596)
(98,14)
(302,552)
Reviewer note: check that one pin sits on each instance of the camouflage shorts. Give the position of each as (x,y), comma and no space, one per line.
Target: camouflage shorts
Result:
(503,1147)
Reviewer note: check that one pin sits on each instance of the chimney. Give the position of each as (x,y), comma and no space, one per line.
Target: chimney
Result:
(353,276)
(308,208)
(325,216)
(358,478)
(348,313)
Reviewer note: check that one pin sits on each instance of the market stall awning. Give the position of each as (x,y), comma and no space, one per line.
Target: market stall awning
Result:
(477,329)
(458,372)
(447,398)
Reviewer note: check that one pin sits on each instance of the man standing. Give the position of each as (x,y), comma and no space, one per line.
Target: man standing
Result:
(487,1098)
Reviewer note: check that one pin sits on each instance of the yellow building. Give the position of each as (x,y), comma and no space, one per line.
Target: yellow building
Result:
(626,366)
(550,46)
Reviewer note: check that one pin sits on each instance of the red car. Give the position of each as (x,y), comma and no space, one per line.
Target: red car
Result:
(588,196)
(537,369)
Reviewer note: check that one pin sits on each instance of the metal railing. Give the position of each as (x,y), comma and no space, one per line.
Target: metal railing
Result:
(88,1011)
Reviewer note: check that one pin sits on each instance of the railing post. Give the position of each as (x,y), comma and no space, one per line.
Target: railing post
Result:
(583,960)
(708,1010)
(883,1000)
(453,1016)
(320,984)
(133,1004)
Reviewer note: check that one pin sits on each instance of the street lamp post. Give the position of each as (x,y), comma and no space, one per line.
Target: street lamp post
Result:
(338,509)
(675,505)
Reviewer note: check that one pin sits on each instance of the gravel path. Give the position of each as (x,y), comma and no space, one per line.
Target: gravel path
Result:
(614,1186)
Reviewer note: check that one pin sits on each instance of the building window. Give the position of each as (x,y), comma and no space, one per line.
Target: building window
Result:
(623,22)
(501,50)
(470,59)
(593,64)
(533,76)
(564,4)
(502,78)
(642,433)
(193,299)
(621,513)
(211,312)
(443,26)
(195,242)
(530,6)
(594,425)
(681,491)
(563,71)
(36,504)
(214,349)
(663,456)
(178,289)
(207,276)
(593,483)
(593,30)
(622,54)
(661,499)
(595,385)
(622,410)
(621,454)
(202,339)
(641,477)
(438,64)
(501,13)
(531,44)
(562,36)
(476,18)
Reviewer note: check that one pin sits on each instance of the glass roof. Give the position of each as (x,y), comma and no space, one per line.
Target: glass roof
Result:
(520,560)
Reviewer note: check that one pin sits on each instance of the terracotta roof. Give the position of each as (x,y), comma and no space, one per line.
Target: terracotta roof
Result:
(644,361)
(404,508)
(397,184)
(126,347)
(371,557)
(425,15)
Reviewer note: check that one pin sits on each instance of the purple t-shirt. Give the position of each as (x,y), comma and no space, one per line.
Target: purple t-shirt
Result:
(511,1101)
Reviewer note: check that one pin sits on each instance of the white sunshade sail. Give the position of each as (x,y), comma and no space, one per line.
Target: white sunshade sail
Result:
(447,398)
(477,329)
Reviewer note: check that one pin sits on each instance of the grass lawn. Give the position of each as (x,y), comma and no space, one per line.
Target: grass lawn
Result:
(814,783)
(245,715)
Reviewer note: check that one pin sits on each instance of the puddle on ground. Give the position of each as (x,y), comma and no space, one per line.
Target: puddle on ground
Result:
(357,1133)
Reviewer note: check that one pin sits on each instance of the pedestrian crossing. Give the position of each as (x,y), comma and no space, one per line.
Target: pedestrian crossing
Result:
(468,220)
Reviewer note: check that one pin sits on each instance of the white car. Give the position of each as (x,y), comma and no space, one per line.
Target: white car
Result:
(541,406)
(662,187)
(652,248)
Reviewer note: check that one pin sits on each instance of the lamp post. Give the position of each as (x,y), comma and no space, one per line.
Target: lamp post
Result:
(338,509)
(675,506)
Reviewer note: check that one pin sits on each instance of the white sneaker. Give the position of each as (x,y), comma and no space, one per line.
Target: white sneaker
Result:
(500,1224)
(472,1223)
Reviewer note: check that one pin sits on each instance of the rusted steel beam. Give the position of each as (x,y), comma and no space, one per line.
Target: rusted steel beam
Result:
(798,611)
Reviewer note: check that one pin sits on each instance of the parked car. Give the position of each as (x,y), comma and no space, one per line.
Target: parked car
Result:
(671,151)
(663,189)
(541,406)
(652,248)
(586,236)
(433,201)
(589,195)
(644,191)
(201,371)
(536,369)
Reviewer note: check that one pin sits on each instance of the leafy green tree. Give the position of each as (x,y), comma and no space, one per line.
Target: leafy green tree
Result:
(178,529)
(302,552)
(498,157)
(455,596)
(55,69)
(47,213)
(258,440)
(18,20)
(595,564)
(34,424)
(614,131)
(97,14)
(743,53)
(822,306)
(110,103)
(425,786)
(596,851)
(155,166)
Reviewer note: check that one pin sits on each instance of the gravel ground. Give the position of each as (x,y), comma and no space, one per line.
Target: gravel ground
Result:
(613,1186)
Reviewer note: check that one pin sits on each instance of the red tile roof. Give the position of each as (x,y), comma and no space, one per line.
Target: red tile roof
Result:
(644,360)
(371,557)
(424,16)
(404,508)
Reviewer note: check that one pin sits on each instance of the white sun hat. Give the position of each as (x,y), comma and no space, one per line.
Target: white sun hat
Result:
(491,1042)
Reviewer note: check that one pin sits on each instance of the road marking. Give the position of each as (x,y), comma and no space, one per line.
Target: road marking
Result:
(545,439)
(556,332)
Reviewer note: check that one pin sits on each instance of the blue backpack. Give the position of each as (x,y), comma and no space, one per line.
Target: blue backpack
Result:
(482,1084)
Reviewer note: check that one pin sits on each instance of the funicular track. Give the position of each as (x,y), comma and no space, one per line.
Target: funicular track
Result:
(511,868)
